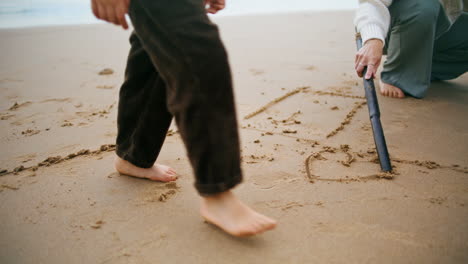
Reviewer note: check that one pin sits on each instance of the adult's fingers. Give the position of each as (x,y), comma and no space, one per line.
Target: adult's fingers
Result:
(359,54)
(357,63)
(121,11)
(359,69)
(102,12)
(111,15)
(94,8)
(359,59)
(371,69)
(211,10)
(219,6)
(214,6)
(123,22)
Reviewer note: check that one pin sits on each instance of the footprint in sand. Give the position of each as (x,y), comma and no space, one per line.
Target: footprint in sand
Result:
(284,205)
(158,192)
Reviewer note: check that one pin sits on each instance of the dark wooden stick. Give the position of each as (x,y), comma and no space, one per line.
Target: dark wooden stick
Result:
(374,114)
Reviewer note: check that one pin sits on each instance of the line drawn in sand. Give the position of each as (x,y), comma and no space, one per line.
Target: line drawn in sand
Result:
(275,101)
(354,156)
(348,118)
(59,159)
(304,89)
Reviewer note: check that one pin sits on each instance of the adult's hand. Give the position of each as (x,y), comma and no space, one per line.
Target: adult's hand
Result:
(214,6)
(112,11)
(369,55)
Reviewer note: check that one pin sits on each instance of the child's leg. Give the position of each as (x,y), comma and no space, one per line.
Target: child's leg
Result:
(143,118)
(187,50)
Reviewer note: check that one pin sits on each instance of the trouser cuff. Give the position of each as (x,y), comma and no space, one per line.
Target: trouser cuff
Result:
(125,156)
(210,189)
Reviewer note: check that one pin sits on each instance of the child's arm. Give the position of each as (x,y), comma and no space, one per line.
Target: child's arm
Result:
(112,11)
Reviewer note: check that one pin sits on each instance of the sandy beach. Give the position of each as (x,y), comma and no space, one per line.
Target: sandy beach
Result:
(307,149)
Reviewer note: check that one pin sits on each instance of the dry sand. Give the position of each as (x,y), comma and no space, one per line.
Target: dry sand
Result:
(309,156)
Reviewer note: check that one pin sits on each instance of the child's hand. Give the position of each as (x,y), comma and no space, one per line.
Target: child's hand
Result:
(214,5)
(112,11)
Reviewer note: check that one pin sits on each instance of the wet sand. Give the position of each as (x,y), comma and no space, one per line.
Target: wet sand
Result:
(307,149)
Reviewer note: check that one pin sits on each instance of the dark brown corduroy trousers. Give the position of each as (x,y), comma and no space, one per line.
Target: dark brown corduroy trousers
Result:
(178,67)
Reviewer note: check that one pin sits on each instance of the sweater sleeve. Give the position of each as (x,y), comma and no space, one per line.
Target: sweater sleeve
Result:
(372,19)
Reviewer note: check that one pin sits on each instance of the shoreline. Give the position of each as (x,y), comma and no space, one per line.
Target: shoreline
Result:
(213,17)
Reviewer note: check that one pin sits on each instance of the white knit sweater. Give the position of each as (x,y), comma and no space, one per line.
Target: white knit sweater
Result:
(372,18)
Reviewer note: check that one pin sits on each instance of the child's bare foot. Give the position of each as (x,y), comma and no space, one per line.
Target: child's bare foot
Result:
(156,173)
(230,214)
(390,90)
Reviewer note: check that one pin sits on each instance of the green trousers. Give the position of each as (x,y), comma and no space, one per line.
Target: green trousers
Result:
(423,46)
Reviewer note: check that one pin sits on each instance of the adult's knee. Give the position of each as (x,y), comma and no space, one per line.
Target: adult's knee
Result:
(426,12)
(415,13)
